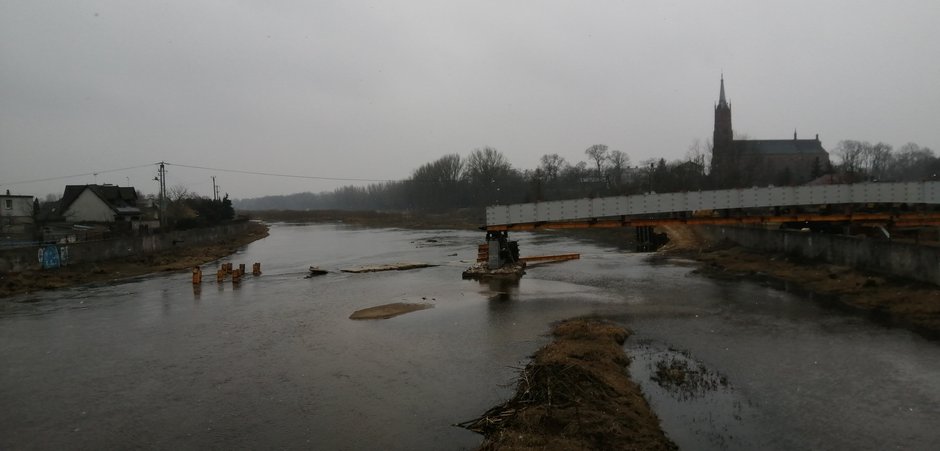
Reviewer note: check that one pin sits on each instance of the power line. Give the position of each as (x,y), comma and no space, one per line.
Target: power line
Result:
(235,171)
(105,171)
(273,174)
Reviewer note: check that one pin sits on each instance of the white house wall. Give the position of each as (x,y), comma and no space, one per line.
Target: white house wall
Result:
(18,219)
(88,207)
(21,207)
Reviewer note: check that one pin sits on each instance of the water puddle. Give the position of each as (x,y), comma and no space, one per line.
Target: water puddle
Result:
(698,406)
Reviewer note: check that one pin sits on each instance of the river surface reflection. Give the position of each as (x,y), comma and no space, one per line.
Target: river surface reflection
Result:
(276,363)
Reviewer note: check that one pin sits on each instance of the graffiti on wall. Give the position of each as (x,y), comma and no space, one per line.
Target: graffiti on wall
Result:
(52,256)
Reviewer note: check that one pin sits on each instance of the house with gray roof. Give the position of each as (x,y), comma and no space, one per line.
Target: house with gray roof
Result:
(99,203)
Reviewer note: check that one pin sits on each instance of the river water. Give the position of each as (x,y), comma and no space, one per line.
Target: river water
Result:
(276,363)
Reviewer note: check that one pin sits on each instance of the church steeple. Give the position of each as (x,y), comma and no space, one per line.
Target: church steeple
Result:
(723,137)
(721,97)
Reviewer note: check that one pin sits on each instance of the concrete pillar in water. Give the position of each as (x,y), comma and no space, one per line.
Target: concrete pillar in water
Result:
(493,261)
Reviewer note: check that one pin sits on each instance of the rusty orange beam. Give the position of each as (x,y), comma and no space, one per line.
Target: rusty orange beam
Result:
(902,220)
(550,258)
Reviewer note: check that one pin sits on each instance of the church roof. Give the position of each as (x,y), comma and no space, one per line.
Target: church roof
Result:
(780,146)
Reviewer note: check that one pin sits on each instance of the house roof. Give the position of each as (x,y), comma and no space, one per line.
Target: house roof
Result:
(16,196)
(781,146)
(121,199)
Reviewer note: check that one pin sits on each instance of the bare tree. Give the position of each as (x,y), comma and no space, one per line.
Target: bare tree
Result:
(618,162)
(490,176)
(177,193)
(598,153)
(849,153)
(551,166)
(700,154)
(435,185)
(176,208)
(446,169)
(912,162)
(862,160)
(877,156)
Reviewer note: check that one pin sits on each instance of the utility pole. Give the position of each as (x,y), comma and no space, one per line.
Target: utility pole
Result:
(215,190)
(162,179)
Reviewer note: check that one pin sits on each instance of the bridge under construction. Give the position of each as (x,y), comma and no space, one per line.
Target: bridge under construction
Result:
(884,205)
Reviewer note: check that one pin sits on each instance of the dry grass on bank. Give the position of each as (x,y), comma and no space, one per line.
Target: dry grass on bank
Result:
(899,301)
(575,394)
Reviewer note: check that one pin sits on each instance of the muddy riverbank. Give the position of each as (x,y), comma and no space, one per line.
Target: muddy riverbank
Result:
(576,393)
(182,258)
(886,299)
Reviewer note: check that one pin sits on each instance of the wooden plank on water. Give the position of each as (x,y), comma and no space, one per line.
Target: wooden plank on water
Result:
(550,258)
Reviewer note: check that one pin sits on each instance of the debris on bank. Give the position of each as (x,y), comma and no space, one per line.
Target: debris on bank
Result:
(388,310)
(388,267)
(316,271)
(576,393)
(481,270)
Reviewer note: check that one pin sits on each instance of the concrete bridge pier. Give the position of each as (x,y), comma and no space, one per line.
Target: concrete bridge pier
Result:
(501,251)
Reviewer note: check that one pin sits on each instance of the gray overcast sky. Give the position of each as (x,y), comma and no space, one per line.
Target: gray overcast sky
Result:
(371,90)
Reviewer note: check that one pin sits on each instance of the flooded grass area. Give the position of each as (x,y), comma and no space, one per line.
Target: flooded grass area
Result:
(700,407)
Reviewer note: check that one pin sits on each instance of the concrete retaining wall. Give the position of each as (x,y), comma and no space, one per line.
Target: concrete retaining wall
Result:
(906,260)
(20,259)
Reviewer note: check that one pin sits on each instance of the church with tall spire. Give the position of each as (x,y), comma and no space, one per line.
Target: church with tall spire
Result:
(739,163)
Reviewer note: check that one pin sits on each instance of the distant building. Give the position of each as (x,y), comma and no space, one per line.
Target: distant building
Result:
(16,217)
(762,162)
(99,203)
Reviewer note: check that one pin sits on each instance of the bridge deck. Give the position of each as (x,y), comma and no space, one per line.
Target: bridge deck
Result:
(741,206)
